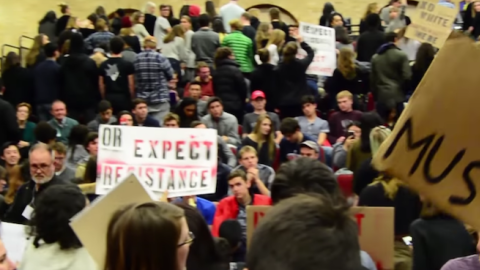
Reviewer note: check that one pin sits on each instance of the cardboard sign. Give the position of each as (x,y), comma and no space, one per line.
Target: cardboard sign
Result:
(91,224)
(322,41)
(182,161)
(15,239)
(431,23)
(435,144)
(375,231)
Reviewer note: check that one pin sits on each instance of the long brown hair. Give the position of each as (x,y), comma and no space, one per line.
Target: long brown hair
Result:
(144,236)
(15,181)
(35,49)
(261,139)
(346,65)
(177,31)
(290,51)
(371,8)
(277,37)
(262,33)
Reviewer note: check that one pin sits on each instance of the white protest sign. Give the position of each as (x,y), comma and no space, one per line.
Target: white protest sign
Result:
(182,161)
(322,41)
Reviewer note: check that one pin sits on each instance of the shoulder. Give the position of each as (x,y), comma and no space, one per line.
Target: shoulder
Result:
(265,168)
(262,200)
(273,116)
(226,201)
(31,124)
(469,262)
(72,121)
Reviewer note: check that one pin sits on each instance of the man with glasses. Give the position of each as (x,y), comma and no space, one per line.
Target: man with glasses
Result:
(61,170)
(42,170)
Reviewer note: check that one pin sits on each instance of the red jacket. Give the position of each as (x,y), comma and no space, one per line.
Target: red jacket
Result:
(227,208)
(207,88)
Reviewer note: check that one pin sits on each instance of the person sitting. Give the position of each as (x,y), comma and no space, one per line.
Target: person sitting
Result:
(204,79)
(225,123)
(77,154)
(187,111)
(225,154)
(195,91)
(259,101)
(104,117)
(62,171)
(262,139)
(26,127)
(292,139)
(140,113)
(205,207)
(339,120)
(171,120)
(261,176)
(61,122)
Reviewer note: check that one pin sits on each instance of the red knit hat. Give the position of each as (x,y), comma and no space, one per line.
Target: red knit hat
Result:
(194,11)
(126,23)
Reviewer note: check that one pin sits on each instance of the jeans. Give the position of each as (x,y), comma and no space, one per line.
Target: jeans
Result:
(159,111)
(328,152)
(43,112)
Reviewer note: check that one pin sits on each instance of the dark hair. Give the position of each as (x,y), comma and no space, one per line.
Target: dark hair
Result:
(51,218)
(93,18)
(116,45)
(104,105)
(424,57)
(196,123)
(44,132)
(368,121)
(289,126)
(7,145)
(120,12)
(390,37)
(332,16)
(138,101)
(12,60)
(308,99)
(327,9)
(315,231)
(237,173)
(204,20)
(179,110)
(222,53)
(195,83)
(100,11)
(210,9)
(203,253)
(184,11)
(119,115)
(91,136)
(105,46)
(218,27)
(77,136)
(49,17)
(304,175)
(76,43)
(352,124)
(90,175)
(50,49)
(373,21)
(231,230)
(212,100)
(341,35)
(264,55)
(63,8)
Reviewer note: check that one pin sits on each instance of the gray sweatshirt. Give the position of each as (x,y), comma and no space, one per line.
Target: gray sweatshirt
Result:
(226,125)
(175,49)
(204,45)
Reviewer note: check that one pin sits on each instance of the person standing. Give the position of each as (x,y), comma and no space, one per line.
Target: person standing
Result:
(162,28)
(241,46)
(47,26)
(62,22)
(230,11)
(152,73)
(205,41)
(150,18)
(10,131)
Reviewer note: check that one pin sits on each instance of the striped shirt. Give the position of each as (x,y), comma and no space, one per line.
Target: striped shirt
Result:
(98,38)
(242,48)
(152,73)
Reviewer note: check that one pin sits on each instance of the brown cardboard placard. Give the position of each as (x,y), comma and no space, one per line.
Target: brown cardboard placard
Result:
(431,23)
(434,146)
(91,224)
(375,230)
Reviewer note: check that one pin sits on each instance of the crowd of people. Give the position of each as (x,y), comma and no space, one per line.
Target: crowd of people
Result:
(280,140)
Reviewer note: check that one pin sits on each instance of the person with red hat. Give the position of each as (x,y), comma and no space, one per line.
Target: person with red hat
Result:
(259,101)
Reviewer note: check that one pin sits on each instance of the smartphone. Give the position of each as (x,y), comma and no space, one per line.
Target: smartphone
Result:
(407,240)
(350,134)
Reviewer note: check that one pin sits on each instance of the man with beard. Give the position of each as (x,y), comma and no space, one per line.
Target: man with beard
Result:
(42,170)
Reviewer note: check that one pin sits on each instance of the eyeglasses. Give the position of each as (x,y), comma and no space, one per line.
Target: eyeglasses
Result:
(42,167)
(190,239)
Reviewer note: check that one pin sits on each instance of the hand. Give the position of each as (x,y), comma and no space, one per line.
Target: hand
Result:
(3,183)
(348,142)
(470,29)
(164,197)
(299,38)
(341,139)
(225,138)
(22,144)
(279,135)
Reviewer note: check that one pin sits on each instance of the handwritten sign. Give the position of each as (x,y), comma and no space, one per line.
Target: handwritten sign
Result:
(182,161)
(375,231)
(432,23)
(322,41)
(439,159)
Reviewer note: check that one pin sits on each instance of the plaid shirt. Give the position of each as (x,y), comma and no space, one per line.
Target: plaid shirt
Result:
(152,73)
(94,40)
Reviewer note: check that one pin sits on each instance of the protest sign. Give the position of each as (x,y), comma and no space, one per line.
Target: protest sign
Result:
(322,41)
(182,161)
(434,146)
(15,240)
(375,231)
(91,224)
(432,23)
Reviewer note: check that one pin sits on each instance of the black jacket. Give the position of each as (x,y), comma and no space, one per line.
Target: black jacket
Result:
(149,23)
(368,44)
(18,83)
(292,80)
(8,121)
(25,195)
(79,80)
(229,85)
(264,78)
(61,24)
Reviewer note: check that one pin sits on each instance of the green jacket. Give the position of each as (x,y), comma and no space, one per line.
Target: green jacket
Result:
(28,133)
(63,130)
(242,48)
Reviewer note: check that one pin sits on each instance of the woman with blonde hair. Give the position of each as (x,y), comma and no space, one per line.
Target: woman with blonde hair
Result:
(387,191)
(138,18)
(148,236)
(263,34)
(274,46)
(262,139)
(372,8)
(36,55)
(150,18)
(175,50)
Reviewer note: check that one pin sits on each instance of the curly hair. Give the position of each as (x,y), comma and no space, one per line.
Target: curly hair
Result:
(51,217)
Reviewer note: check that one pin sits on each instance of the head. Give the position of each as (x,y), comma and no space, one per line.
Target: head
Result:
(100,11)
(391,37)
(245,18)
(93,18)
(377,136)
(148,235)
(23,111)
(218,27)
(237,181)
(203,71)
(235,25)
(51,51)
(231,230)
(73,23)
(263,33)
(309,106)
(258,100)
(424,57)
(210,9)
(346,63)
(171,120)
(290,52)
(105,110)
(60,152)
(274,14)
(248,157)
(354,127)
(328,9)
(309,149)
(45,133)
(215,107)
(125,118)
(38,42)
(64,9)
(77,44)
(264,55)
(277,37)
(77,136)
(59,110)
(393,12)
(197,124)
(265,133)
(372,8)
(41,160)
(150,43)
(315,231)
(204,20)
(186,23)
(476,6)
(12,60)
(396,3)
(293,30)
(368,121)
(50,16)
(138,18)
(90,175)
(150,8)
(10,154)
(195,90)
(119,13)
(290,129)
(188,108)
(345,101)
(117,45)
(140,108)
(16,178)
(165,11)
(341,35)
(336,19)
(373,21)
(91,143)
(51,218)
